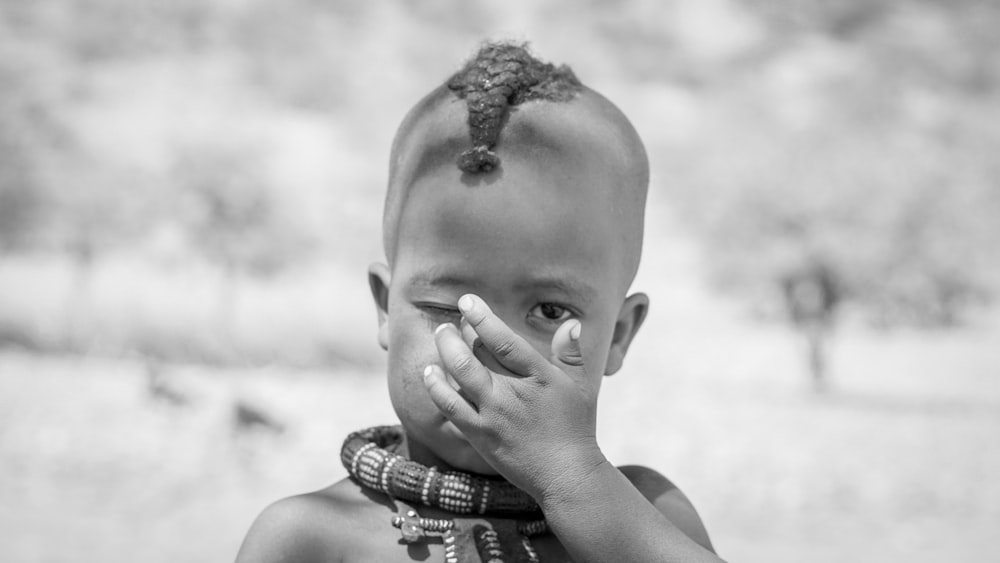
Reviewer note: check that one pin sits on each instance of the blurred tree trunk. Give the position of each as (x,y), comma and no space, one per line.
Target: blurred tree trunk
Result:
(228,307)
(817,340)
(79,329)
(812,297)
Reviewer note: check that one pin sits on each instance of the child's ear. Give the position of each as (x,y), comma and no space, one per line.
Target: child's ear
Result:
(630,318)
(378,280)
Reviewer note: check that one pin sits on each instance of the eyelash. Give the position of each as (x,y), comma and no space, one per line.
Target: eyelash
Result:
(567,313)
(438,313)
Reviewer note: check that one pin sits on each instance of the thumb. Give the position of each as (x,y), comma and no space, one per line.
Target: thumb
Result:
(566,351)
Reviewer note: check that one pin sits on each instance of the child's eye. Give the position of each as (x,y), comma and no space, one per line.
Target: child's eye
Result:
(439,312)
(550,312)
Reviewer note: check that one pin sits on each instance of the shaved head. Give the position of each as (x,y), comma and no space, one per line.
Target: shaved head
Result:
(505,105)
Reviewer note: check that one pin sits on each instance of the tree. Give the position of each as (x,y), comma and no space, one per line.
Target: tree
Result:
(859,173)
(30,132)
(234,217)
(54,196)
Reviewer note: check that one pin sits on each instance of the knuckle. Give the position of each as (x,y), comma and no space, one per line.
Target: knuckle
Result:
(505,348)
(450,407)
(463,364)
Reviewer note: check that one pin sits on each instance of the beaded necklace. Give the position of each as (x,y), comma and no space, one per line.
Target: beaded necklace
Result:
(473,538)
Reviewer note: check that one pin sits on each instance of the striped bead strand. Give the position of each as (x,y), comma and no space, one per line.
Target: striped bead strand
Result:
(425,490)
(488,545)
(533,528)
(364,456)
(530,550)
(450,548)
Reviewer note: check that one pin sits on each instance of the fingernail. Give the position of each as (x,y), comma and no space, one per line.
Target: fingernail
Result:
(428,371)
(442,326)
(466,303)
(574,332)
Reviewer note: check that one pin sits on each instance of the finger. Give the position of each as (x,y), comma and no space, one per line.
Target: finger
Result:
(479,349)
(468,334)
(447,399)
(458,360)
(512,351)
(566,352)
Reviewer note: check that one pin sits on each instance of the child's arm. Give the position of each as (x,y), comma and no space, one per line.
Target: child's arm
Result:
(538,429)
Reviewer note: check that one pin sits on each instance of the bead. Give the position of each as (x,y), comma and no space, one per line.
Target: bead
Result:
(357,456)
(365,457)
(426,489)
(487,543)
(409,526)
(385,473)
(533,528)
(482,502)
(530,550)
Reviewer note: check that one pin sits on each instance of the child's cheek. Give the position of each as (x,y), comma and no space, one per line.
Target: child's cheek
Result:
(594,348)
(416,346)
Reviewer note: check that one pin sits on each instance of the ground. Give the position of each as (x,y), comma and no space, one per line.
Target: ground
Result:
(895,463)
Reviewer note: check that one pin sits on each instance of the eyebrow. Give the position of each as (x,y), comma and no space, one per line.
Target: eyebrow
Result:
(431,278)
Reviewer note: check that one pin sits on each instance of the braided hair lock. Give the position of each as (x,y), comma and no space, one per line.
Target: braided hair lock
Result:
(499,77)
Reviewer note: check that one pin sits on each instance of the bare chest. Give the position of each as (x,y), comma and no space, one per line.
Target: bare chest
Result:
(386,545)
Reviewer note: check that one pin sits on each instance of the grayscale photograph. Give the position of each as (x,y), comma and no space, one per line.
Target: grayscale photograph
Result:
(324,281)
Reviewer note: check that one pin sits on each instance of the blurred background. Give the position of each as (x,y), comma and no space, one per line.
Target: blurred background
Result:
(190,193)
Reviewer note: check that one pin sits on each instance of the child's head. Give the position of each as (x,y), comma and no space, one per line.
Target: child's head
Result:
(514,182)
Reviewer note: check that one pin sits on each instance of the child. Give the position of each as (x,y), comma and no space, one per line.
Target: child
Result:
(502,304)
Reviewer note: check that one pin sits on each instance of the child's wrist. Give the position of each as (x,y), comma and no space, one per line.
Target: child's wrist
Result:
(574,480)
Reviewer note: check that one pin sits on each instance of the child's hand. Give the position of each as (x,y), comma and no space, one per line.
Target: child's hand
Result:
(532,418)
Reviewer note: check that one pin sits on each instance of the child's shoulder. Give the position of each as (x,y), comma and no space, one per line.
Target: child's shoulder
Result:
(345,522)
(340,522)
(669,500)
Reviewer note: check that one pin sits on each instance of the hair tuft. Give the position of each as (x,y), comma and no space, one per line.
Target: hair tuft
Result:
(499,77)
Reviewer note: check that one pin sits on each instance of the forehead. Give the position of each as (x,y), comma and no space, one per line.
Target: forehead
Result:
(530,224)
(571,186)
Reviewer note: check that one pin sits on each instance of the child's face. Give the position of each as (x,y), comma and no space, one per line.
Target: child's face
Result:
(536,241)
